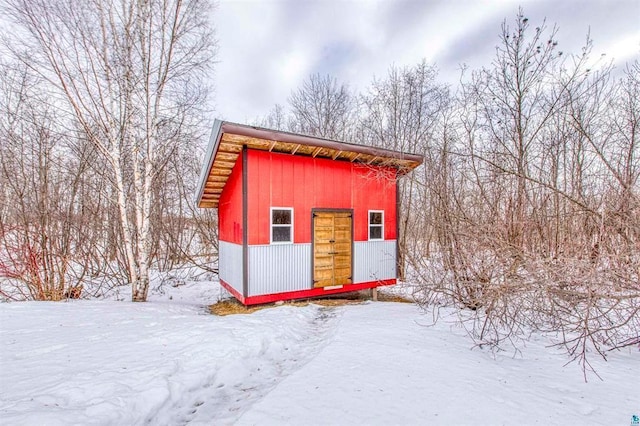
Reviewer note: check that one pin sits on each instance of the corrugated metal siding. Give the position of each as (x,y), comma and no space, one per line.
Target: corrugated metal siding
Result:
(278,268)
(230,263)
(374,260)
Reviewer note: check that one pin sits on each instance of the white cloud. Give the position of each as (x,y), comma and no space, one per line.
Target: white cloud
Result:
(293,65)
(267,48)
(624,49)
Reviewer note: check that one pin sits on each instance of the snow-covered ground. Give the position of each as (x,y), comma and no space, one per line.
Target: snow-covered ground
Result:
(169,362)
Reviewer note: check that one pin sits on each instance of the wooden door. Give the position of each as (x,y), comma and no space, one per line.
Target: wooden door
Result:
(332,248)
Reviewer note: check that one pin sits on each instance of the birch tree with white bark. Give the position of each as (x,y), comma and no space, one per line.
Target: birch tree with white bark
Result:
(131,74)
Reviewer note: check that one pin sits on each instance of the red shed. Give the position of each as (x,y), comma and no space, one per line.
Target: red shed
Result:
(301,216)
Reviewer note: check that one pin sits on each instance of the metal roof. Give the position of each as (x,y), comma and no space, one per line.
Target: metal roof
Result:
(227,140)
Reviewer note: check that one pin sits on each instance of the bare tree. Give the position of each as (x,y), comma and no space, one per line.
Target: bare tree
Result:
(41,174)
(401,113)
(534,200)
(275,119)
(131,75)
(321,108)
(182,233)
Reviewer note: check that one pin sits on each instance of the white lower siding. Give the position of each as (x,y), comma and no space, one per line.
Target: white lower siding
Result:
(230,264)
(374,260)
(278,268)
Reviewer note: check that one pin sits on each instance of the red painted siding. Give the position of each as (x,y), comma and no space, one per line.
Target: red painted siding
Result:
(304,183)
(230,207)
(374,189)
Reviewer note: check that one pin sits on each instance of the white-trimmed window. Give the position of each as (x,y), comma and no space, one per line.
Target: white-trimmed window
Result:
(281,225)
(376,225)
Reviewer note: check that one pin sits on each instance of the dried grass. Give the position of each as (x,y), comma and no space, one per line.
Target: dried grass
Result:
(384,297)
(234,307)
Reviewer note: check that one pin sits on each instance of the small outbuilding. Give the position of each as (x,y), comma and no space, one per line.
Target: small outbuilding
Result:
(301,216)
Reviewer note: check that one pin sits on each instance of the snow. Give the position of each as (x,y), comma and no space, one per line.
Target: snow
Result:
(170,362)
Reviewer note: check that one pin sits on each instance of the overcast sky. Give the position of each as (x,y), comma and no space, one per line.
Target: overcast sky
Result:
(267,48)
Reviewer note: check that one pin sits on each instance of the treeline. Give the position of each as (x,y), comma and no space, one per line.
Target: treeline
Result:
(102,123)
(526,213)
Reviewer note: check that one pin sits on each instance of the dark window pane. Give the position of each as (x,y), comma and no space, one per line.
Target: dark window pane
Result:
(281,233)
(375,232)
(375,218)
(281,217)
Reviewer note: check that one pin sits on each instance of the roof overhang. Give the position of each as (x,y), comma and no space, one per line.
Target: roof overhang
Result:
(228,139)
